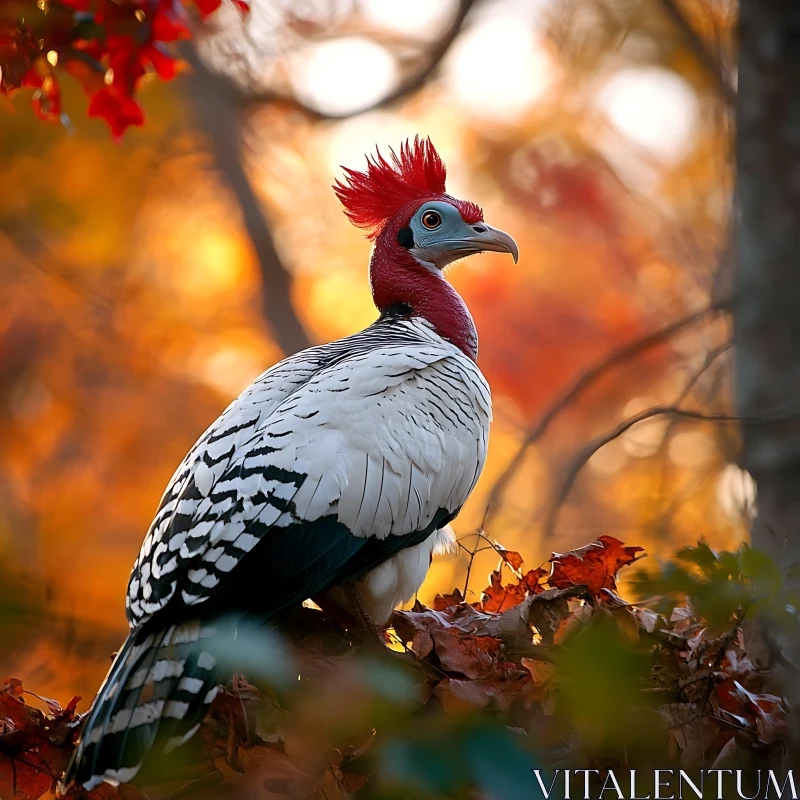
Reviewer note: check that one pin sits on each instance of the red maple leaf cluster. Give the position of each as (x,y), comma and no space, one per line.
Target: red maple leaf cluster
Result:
(107,45)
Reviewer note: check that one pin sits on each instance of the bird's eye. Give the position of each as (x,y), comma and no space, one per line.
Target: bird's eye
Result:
(431,219)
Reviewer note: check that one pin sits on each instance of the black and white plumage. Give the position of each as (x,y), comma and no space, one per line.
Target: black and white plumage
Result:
(345,462)
(341,462)
(382,434)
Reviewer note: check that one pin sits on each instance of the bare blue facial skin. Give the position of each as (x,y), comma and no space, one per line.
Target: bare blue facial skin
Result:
(440,236)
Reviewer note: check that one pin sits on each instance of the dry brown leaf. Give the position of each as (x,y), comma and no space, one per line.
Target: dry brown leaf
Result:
(443,601)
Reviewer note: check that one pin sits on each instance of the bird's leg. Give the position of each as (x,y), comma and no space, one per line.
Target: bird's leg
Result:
(366,627)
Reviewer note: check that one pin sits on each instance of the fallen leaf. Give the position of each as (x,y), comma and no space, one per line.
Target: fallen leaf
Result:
(595,565)
(496,598)
(443,601)
(542,672)
(455,635)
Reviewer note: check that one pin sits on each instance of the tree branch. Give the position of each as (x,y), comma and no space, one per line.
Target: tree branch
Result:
(601,441)
(702,52)
(218,102)
(409,85)
(219,118)
(586,379)
(669,509)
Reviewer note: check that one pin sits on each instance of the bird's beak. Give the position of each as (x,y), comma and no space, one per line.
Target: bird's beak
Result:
(492,239)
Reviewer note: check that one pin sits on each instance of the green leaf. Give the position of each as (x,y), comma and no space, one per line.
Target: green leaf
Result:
(701,555)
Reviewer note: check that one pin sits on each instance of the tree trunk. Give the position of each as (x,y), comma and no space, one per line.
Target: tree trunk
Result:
(219,117)
(767,299)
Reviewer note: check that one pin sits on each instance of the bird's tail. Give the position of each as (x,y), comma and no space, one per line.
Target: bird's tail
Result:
(152,701)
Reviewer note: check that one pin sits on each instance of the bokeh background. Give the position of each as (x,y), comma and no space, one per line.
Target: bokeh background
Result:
(145,282)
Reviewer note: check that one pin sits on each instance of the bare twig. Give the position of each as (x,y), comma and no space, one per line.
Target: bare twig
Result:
(537,652)
(590,376)
(581,459)
(471,554)
(38,255)
(701,49)
(694,377)
(710,358)
(406,87)
(480,537)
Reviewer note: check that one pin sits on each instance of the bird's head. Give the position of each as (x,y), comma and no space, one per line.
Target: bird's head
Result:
(418,230)
(402,204)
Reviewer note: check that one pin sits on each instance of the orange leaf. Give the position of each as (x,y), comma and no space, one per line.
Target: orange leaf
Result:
(531,579)
(595,565)
(497,598)
(511,557)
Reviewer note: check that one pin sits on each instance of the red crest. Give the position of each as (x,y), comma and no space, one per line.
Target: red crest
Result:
(417,174)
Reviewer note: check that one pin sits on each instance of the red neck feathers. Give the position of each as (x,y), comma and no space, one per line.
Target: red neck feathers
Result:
(398,279)
(382,200)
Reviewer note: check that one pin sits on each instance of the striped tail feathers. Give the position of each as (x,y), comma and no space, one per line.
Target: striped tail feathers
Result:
(153,700)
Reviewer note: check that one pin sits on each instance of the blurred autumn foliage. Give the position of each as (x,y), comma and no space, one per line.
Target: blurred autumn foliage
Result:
(146,281)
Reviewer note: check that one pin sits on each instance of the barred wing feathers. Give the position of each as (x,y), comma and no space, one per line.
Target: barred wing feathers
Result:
(329,464)
(380,440)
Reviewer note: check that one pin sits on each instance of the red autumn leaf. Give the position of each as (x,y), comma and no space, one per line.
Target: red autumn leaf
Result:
(511,557)
(25,776)
(118,110)
(164,64)
(412,630)
(34,748)
(595,565)
(498,692)
(170,22)
(19,49)
(207,7)
(107,46)
(765,713)
(68,714)
(14,708)
(497,598)
(233,721)
(127,63)
(443,601)
(78,5)
(532,580)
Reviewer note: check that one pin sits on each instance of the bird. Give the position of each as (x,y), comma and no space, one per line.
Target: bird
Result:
(334,475)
